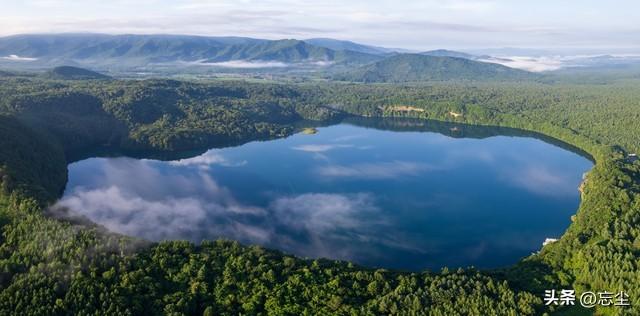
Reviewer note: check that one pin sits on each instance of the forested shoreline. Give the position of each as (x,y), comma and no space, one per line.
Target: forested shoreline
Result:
(51,266)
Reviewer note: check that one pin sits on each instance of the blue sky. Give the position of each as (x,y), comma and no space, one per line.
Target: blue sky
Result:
(422,24)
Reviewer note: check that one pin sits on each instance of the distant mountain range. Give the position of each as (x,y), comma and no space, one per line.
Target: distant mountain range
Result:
(288,51)
(179,55)
(182,54)
(348,45)
(140,50)
(6,74)
(123,50)
(419,67)
(449,53)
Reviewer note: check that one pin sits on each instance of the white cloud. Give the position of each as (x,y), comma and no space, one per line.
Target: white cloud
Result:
(321,63)
(309,224)
(555,62)
(320,148)
(247,64)
(341,226)
(158,219)
(382,170)
(206,160)
(18,58)
(424,24)
(470,6)
(535,64)
(321,212)
(140,198)
(347,138)
(368,17)
(542,181)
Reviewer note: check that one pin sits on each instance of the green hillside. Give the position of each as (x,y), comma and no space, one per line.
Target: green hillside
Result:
(73,73)
(290,51)
(6,74)
(448,53)
(96,47)
(349,45)
(416,67)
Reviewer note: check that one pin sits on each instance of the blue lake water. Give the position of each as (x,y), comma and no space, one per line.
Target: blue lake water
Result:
(402,198)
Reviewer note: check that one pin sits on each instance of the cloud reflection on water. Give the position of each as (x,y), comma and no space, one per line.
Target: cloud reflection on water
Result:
(208,159)
(320,148)
(163,205)
(381,170)
(542,180)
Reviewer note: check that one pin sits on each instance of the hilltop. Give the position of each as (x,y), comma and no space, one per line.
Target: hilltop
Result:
(73,73)
(417,67)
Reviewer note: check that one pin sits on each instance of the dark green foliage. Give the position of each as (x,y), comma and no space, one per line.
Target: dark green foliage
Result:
(73,73)
(290,51)
(6,74)
(157,115)
(75,117)
(30,164)
(417,68)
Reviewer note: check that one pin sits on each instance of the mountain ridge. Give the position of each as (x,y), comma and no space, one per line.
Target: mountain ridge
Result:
(448,53)
(73,73)
(177,54)
(418,67)
(353,46)
(129,49)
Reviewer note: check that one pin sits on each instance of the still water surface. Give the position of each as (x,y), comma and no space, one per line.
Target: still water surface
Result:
(395,196)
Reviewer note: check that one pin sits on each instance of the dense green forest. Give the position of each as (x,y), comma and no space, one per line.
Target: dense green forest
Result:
(58,266)
(73,73)
(420,68)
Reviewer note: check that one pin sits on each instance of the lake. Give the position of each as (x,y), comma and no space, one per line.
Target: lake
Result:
(400,194)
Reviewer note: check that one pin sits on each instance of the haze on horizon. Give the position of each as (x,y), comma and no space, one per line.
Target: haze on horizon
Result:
(572,25)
